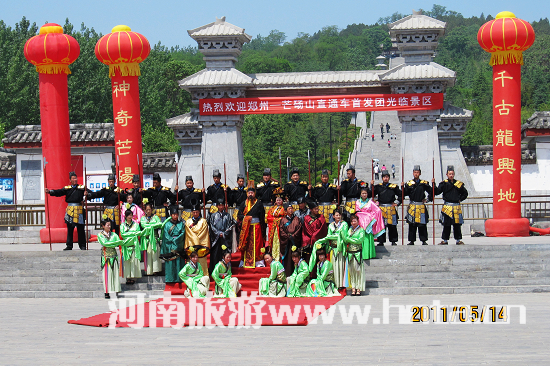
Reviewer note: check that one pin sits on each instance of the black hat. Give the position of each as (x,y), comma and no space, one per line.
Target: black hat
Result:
(285,205)
(301,200)
(240,176)
(156,176)
(188,178)
(220,201)
(110,177)
(324,172)
(450,168)
(267,171)
(72,174)
(385,172)
(312,204)
(350,167)
(216,173)
(195,203)
(416,167)
(174,210)
(251,186)
(294,171)
(135,178)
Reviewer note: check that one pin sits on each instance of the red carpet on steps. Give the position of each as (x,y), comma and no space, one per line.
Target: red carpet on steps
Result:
(249,278)
(176,312)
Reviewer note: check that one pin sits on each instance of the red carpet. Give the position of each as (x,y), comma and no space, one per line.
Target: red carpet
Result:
(182,312)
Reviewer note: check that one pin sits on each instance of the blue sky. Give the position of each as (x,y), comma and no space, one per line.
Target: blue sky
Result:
(168,21)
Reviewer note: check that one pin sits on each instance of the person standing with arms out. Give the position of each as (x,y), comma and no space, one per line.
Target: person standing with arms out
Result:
(417,213)
(187,196)
(110,197)
(216,191)
(389,198)
(264,189)
(350,188)
(74,214)
(325,194)
(454,192)
(160,196)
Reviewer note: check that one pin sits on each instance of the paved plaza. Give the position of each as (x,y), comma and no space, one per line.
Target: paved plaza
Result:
(35,331)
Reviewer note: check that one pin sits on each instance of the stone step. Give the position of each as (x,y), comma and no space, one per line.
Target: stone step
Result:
(51,280)
(455,262)
(479,282)
(451,268)
(83,286)
(52,294)
(456,290)
(392,276)
(62,273)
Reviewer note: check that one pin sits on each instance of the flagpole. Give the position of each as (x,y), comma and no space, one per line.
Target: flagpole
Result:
(86,201)
(48,205)
(338,181)
(120,268)
(433,198)
(280,168)
(308,171)
(402,203)
(203,191)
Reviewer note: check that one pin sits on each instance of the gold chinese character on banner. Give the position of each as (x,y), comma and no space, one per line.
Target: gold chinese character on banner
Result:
(504,138)
(123,145)
(506,164)
(502,77)
(127,176)
(507,196)
(122,118)
(123,88)
(504,110)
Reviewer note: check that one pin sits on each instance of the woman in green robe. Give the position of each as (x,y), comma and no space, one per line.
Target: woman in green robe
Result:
(226,284)
(299,279)
(171,248)
(193,277)
(357,250)
(109,259)
(150,224)
(130,232)
(324,283)
(334,246)
(274,285)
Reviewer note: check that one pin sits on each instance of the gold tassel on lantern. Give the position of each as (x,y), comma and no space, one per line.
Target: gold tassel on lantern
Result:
(125,69)
(53,69)
(506,57)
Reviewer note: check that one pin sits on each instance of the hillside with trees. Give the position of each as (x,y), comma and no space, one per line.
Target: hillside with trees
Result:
(353,48)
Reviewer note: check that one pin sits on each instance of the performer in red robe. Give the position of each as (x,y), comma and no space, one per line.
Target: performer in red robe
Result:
(252,218)
(315,228)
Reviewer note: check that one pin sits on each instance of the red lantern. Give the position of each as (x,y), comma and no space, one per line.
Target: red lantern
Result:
(52,52)
(506,37)
(123,50)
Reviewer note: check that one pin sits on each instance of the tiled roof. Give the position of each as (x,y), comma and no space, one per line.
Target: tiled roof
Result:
(7,162)
(417,21)
(188,119)
(159,161)
(218,28)
(217,78)
(429,71)
(316,78)
(88,132)
(539,120)
(450,111)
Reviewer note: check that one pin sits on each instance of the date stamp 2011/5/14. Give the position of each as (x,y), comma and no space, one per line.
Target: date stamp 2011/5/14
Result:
(463,314)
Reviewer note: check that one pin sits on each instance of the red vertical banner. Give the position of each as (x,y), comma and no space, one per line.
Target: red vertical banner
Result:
(506,37)
(127,122)
(507,141)
(123,50)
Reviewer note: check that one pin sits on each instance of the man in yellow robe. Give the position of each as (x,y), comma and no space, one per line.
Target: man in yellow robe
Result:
(197,237)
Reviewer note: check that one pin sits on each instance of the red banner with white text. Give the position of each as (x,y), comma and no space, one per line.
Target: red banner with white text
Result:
(321,104)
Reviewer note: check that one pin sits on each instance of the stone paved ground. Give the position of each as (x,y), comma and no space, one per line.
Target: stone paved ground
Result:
(35,331)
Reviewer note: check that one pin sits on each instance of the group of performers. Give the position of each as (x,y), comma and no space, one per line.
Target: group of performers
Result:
(314,238)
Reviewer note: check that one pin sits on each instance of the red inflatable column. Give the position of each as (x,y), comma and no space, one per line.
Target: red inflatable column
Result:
(123,50)
(506,37)
(51,52)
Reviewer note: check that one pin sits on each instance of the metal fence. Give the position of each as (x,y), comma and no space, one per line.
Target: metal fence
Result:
(533,207)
